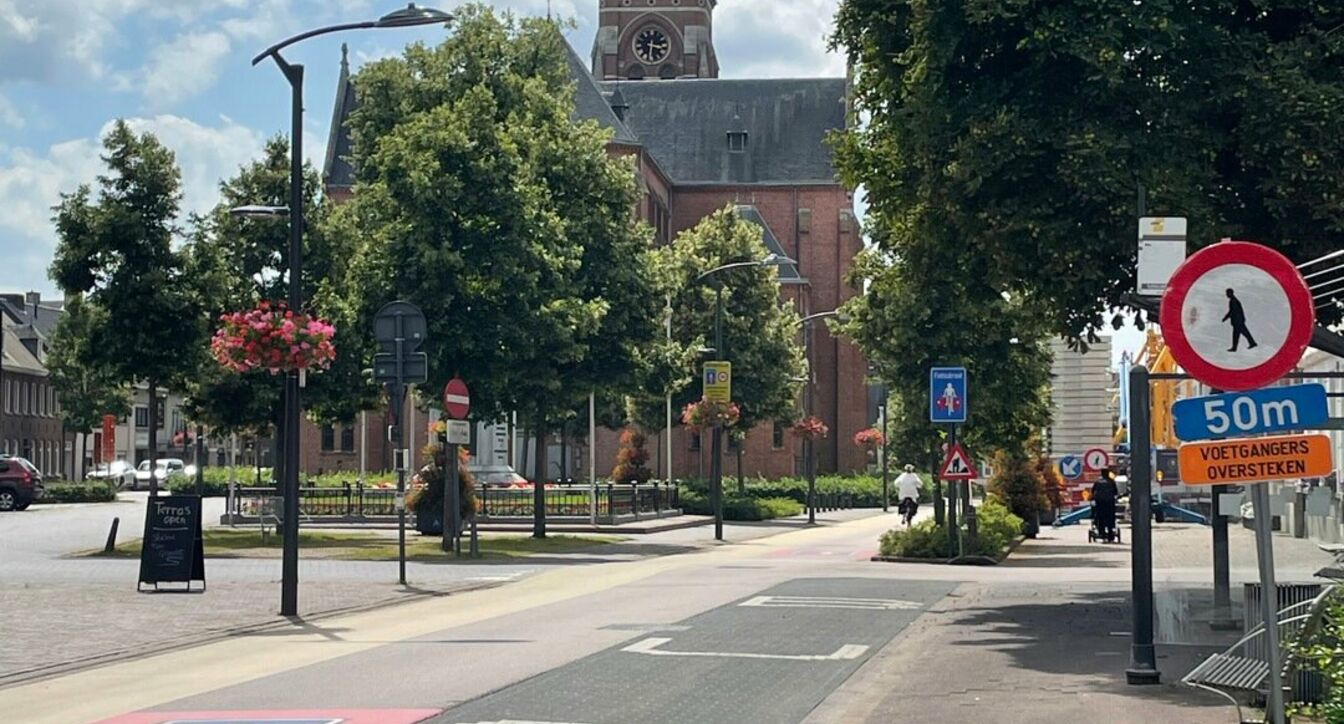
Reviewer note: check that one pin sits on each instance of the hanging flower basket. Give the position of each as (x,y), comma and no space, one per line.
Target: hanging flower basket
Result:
(870,439)
(273,338)
(810,428)
(702,414)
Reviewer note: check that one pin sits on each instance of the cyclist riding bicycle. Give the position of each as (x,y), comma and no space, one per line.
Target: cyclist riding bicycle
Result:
(907,492)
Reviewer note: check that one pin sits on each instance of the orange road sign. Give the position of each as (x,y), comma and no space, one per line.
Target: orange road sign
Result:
(1256,459)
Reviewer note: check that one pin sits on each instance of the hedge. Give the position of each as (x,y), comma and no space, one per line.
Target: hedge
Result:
(864,491)
(736,507)
(87,492)
(216,480)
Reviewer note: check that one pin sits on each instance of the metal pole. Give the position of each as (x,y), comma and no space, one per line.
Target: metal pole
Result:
(809,452)
(289,576)
(1269,596)
(1222,583)
(953,533)
(1142,653)
(451,541)
(716,451)
(886,489)
(592,458)
(399,461)
(363,444)
(667,429)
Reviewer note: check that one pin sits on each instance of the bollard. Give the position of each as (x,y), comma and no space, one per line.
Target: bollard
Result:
(112,536)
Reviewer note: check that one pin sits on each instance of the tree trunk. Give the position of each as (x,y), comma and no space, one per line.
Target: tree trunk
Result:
(539,483)
(83,455)
(153,437)
(200,464)
(939,513)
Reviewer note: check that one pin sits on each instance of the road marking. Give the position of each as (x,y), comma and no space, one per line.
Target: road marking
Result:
(863,604)
(650,646)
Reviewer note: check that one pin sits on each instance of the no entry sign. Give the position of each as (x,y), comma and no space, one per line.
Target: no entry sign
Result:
(1237,315)
(456,399)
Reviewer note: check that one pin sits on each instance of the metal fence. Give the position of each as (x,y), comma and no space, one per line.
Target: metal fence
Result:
(355,502)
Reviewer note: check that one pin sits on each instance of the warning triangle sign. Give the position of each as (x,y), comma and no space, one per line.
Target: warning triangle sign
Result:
(958,465)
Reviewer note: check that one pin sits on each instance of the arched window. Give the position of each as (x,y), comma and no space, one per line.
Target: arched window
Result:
(635,72)
(668,71)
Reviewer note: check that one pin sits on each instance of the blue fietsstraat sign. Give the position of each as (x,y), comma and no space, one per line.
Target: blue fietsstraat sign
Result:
(1236,414)
(947,394)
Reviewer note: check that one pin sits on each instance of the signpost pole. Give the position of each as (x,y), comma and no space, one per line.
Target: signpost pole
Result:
(397,391)
(451,541)
(1269,597)
(952,495)
(1142,653)
(1222,587)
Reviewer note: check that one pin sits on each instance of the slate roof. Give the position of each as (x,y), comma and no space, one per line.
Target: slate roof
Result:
(590,102)
(17,357)
(788,273)
(337,171)
(684,125)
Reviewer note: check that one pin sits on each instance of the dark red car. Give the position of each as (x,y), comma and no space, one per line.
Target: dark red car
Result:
(20,483)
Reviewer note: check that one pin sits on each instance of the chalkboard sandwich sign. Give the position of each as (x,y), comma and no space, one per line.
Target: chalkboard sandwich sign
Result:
(171,551)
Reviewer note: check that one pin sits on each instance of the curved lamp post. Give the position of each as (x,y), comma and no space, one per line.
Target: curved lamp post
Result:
(406,17)
(809,452)
(716,449)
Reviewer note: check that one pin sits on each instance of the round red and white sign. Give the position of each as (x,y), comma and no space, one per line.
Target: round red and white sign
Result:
(1237,315)
(456,399)
(1096,459)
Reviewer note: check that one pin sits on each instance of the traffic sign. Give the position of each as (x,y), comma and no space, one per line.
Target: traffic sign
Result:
(1256,460)
(414,368)
(718,381)
(399,320)
(1273,409)
(458,431)
(1161,252)
(1071,467)
(1237,315)
(958,465)
(456,399)
(1096,460)
(947,394)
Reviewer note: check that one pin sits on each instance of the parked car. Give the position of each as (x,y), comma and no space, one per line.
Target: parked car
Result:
(162,469)
(20,483)
(118,472)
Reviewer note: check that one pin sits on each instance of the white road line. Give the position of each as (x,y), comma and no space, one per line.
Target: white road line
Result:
(650,646)
(866,604)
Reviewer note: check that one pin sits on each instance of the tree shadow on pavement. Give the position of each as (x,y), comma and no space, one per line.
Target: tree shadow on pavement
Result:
(1076,635)
(1049,555)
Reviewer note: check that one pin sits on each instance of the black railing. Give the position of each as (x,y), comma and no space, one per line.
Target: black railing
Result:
(354,502)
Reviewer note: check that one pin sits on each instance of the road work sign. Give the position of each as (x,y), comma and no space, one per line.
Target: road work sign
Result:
(1254,460)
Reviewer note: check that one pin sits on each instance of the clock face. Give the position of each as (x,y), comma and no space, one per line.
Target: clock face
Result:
(651,46)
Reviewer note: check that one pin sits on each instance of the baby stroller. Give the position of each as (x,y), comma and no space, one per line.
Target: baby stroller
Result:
(1103,527)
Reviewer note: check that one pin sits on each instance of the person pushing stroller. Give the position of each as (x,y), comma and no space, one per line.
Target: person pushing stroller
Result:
(1104,495)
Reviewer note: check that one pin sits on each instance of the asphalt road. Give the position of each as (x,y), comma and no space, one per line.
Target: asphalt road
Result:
(46,531)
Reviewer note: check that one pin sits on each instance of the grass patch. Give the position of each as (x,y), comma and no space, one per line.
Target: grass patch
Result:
(338,545)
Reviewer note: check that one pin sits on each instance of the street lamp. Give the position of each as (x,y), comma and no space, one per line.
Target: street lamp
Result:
(809,454)
(716,449)
(409,16)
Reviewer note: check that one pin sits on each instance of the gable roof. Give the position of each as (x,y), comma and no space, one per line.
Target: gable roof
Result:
(684,124)
(590,103)
(17,357)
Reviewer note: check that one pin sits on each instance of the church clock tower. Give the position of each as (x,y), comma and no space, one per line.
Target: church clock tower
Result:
(655,39)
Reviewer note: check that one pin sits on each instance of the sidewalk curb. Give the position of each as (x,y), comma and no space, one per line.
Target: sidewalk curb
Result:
(50,671)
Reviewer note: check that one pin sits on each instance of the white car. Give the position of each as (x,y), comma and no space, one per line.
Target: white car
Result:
(117,472)
(163,468)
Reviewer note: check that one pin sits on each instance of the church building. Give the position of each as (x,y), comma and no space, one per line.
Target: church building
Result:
(701,142)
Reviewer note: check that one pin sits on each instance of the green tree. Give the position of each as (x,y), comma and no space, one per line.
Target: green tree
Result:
(87,393)
(236,262)
(117,249)
(480,200)
(760,332)
(1019,131)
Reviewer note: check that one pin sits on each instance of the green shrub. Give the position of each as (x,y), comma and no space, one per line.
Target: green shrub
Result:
(184,485)
(739,507)
(996,528)
(86,492)
(860,491)
(1323,653)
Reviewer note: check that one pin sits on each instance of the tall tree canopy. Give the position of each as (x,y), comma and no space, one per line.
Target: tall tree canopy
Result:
(760,332)
(87,392)
(1019,131)
(480,201)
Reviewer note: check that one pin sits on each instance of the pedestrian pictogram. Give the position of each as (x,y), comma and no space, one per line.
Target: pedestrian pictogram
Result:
(947,394)
(958,465)
(1096,459)
(1237,315)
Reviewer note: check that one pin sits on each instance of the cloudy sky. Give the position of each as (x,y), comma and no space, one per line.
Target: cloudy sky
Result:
(180,68)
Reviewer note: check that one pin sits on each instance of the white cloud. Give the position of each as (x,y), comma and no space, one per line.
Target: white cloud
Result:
(9,114)
(776,40)
(55,40)
(184,67)
(31,183)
